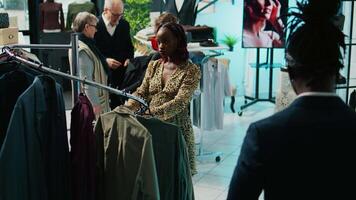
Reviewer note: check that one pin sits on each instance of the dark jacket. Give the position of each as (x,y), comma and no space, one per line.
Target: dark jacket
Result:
(173,171)
(303,152)
(83,151)
(14,80)
(34,158)
(135,73)
(12,85)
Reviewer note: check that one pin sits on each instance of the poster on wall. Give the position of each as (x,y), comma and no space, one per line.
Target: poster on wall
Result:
(263,23)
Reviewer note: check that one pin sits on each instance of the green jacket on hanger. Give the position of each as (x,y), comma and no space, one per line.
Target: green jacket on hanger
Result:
(125,159)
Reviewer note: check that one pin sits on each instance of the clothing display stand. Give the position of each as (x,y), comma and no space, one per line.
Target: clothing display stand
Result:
(202,154)
(268,64)
(40,67)
(74,59)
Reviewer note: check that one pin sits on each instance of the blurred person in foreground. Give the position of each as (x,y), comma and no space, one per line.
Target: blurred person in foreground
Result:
(306,150)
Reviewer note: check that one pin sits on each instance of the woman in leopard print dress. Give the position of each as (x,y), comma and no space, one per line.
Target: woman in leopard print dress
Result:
(169,84)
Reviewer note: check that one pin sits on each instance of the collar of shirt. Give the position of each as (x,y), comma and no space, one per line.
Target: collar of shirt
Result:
(319,94)
(110,28)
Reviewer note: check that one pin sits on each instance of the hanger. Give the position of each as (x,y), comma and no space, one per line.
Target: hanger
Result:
(82,86)
(29,60)
(142,111)
(4,56)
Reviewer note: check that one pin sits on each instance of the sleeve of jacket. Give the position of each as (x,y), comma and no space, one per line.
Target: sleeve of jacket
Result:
(130,48)
(20,166)
(61,17)
(99,136)
(147,184)
(143,90)
(246,182)
(69,15)
(182,99)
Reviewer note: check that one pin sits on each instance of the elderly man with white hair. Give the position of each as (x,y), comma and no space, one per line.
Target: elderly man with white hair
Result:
(114,41)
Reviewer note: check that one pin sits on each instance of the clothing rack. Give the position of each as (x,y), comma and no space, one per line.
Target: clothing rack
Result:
(39,66)
(202,154)
(268,64)
(75,62)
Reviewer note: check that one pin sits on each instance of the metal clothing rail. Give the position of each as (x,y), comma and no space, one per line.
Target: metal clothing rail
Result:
(75,62)
(41,46)
(71,77)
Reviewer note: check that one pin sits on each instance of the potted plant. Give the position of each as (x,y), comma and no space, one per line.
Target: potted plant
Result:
(230,41)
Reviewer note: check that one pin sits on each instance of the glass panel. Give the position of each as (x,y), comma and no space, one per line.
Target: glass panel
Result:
(18,8)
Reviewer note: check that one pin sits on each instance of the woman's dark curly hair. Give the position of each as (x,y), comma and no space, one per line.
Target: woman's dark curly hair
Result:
(181,55)
(314,44)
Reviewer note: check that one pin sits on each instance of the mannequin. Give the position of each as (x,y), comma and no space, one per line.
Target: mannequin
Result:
(179,4)
(81,1)
(185,10)
(51,16)
(76,7)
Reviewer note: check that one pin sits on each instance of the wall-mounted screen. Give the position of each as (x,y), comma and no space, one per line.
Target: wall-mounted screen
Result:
(263,23)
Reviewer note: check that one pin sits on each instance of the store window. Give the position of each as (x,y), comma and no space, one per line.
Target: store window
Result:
(18,9)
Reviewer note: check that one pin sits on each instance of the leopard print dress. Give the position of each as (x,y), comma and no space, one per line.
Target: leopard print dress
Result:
(170,102)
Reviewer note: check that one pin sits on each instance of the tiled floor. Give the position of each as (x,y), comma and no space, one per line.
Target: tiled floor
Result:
(212,180)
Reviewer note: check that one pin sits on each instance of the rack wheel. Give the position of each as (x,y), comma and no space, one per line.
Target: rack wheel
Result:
(239,113)
(217,159)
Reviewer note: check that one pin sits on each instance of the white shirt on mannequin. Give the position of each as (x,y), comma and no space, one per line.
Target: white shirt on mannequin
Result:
(80,1)
(179,4)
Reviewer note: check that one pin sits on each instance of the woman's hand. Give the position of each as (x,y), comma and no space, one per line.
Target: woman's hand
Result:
(276,22)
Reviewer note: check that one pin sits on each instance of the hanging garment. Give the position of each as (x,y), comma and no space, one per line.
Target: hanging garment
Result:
(172,162)
(186,15)
(13,84)
(74,8)
(224,66)
(34,157)
(14,80)
(83,151)
(211,98)
(134,74)
(126,165)
(51,16)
